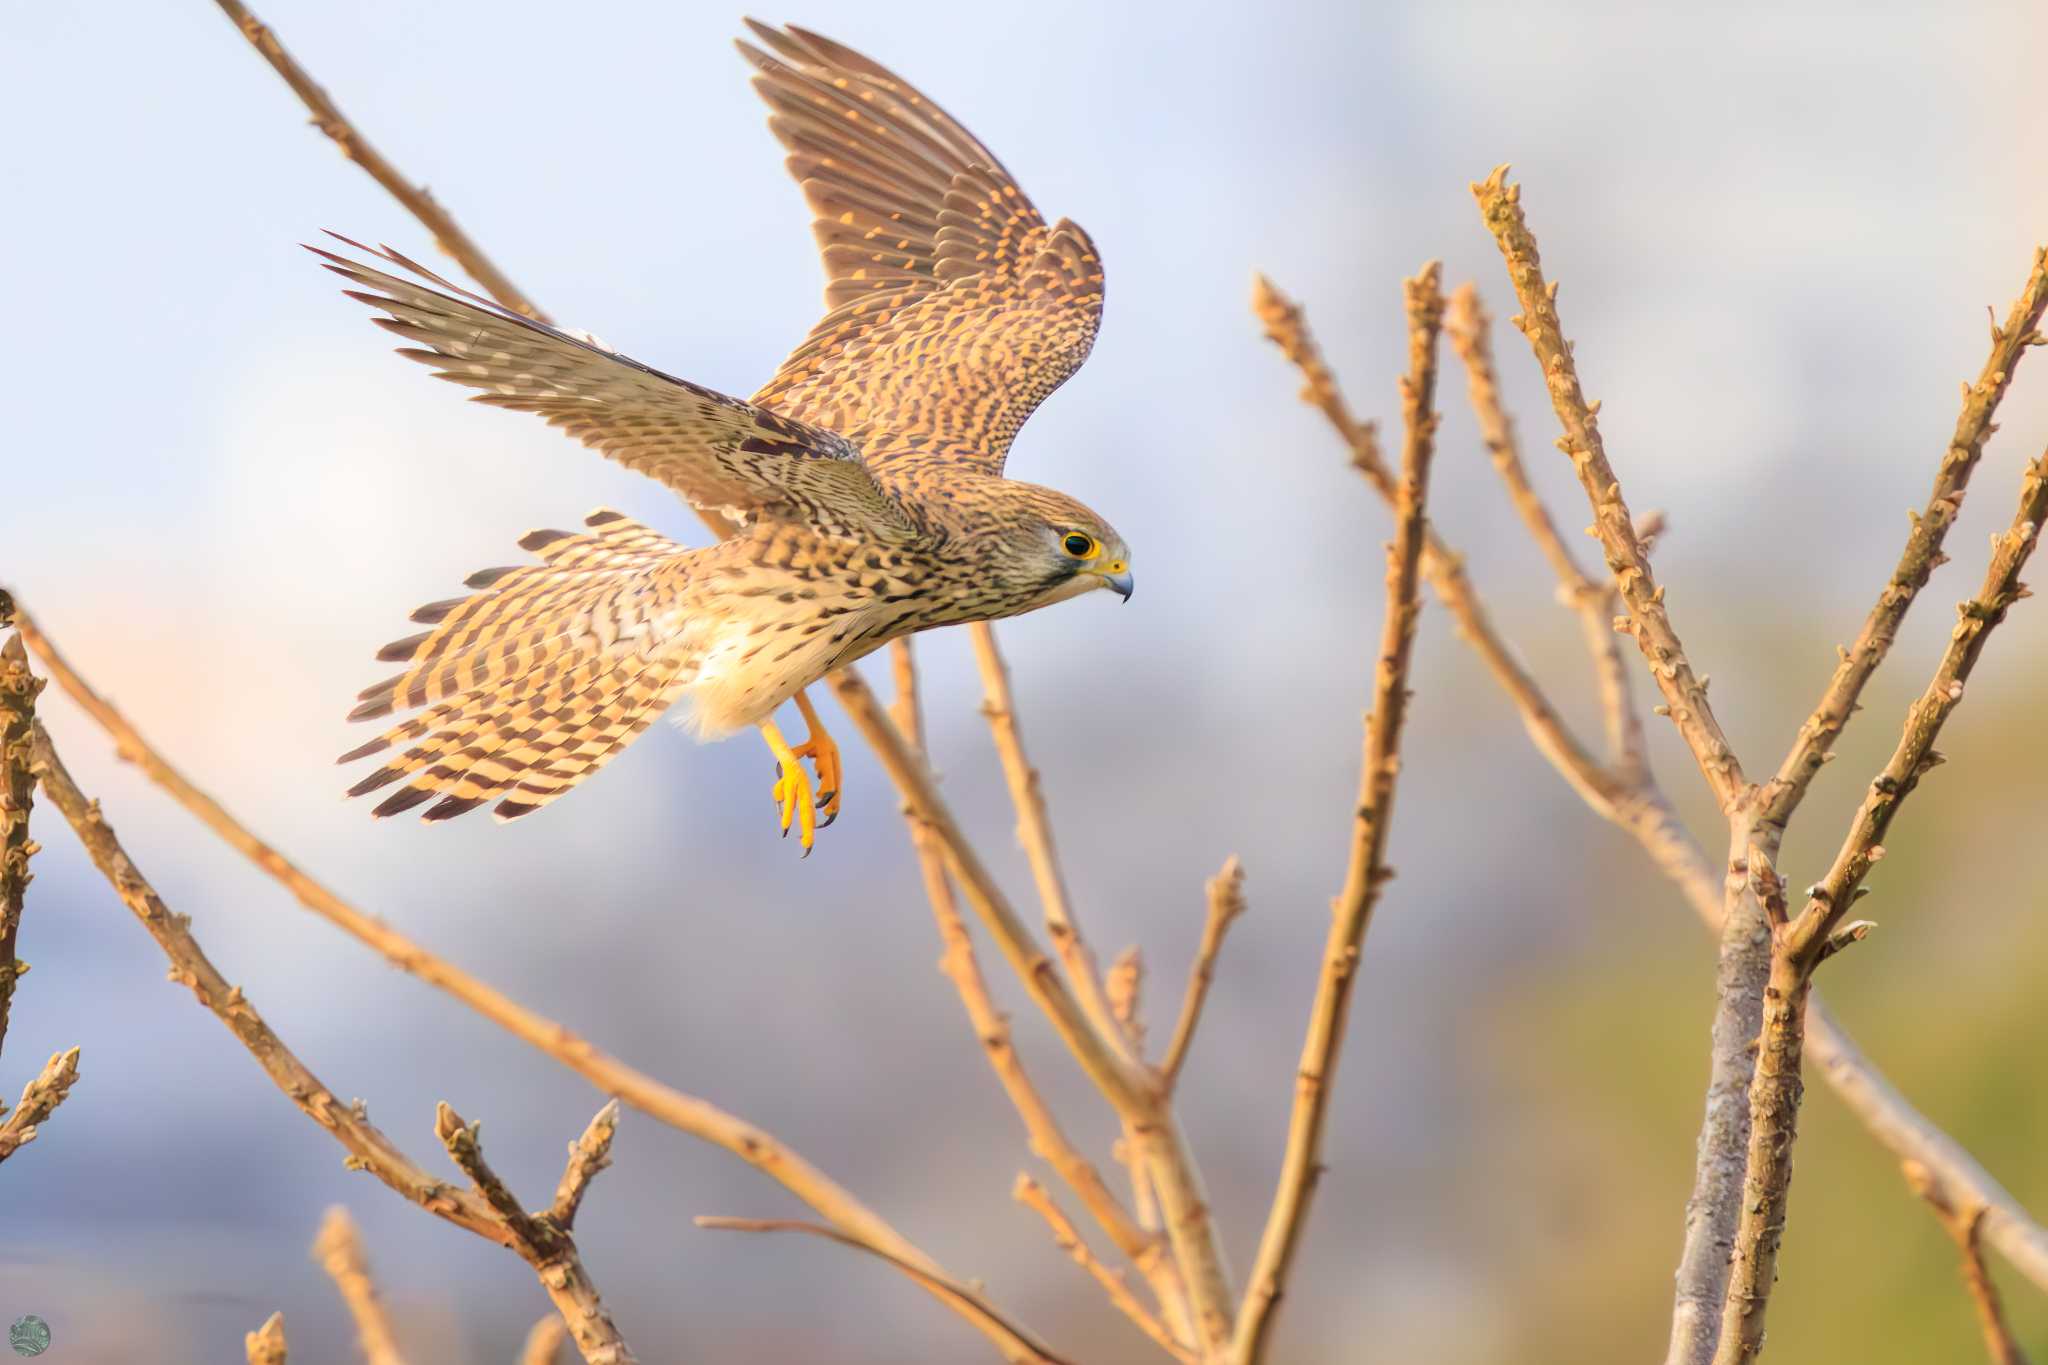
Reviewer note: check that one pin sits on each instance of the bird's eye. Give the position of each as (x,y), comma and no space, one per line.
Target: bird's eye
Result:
(1079,546)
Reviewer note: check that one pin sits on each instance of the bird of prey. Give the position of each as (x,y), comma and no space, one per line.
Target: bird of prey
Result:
(865,483)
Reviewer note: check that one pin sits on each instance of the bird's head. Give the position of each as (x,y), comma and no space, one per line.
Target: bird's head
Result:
(1052,547)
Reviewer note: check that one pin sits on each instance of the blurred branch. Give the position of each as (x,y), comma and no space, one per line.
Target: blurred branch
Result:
(339,1250)
(266,1345)
(542,1242)
(1799,943)
(1047,1140)
(1352,911)
(1922,555)
(544,1342)
(1468,329)
(39,1099)
(1017,1344)
(448,235)
(1684,693)
(1226,903)
(1030,1193)
(1964,1225)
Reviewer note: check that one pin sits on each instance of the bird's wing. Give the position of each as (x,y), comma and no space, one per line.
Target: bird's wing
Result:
(719,453)
(953,308)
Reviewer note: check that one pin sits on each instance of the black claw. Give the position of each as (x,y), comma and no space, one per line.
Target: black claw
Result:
(826,823)
(823,797)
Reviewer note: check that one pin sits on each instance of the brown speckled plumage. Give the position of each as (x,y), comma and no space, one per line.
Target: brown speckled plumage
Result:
(865,479)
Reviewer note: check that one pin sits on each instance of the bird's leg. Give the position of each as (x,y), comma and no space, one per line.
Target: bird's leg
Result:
(822,750)
(792,788)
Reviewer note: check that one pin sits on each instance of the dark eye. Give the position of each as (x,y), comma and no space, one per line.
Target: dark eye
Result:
(1078,545)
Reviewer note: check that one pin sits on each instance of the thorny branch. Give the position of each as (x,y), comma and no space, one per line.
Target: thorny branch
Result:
(1368,872)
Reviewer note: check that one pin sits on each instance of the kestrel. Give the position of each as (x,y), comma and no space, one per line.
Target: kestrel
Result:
(865,482)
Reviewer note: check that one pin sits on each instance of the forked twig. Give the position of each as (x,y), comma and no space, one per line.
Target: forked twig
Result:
(1018,1344)
(1367,872)
(1226,903)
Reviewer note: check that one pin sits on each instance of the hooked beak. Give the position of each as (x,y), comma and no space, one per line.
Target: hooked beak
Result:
(1120,579)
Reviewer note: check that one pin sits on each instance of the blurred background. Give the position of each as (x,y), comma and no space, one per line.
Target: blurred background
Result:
(1777,234)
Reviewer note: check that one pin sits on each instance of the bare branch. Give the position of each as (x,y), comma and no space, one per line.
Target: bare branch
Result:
(1923,553)
(1368,872)
(18,689)
(1287,327)
(1018,1345)
(266,1345)
(542,1243)
(1799,943)
(1131,1090)
(1034,833)
(1047,1140)
(367,1147)
(39,1099)
(1684,694)
(685,1112)
(1030,1193)
(339,1251)
(1226,903)
(588,1154)
(1124,985)
(1964,1225)
(1467,327)
(544,1342)
(422,205)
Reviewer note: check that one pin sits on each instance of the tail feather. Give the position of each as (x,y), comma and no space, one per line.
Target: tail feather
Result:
(536,680)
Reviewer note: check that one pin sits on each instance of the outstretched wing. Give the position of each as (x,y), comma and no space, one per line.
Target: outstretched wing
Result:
(954,308)
(719,453)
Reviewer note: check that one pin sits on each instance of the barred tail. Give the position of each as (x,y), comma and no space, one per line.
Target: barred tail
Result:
(534,682)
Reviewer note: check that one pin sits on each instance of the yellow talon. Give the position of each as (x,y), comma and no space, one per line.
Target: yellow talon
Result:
(792,788)
(823,751)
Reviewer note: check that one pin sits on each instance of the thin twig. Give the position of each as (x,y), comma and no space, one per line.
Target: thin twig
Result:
(1226,903)
(1030,1193)
(339,1251)
(39,1099)
(590,1153)
(541,1242)
(1367,873)
(421,204)
(1019,1345)
(544,1342)
(1685,695)
(1034,833)
(266,1345)
(1124,986)
(1287,327)
(1923,553)
(18,689)
(367,1147)
(1467,327)
(1965,1225)
(1798,943)
(1047,1139)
